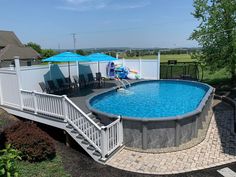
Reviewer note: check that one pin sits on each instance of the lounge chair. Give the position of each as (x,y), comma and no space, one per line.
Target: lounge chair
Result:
(82,81)
(52,87)
(63,86)
(44,87)
(69,81)
(100,79)
(76,79)
(91,79)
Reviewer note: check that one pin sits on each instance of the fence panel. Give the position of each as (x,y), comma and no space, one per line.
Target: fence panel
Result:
(149,69)
(9,88)
(179,70)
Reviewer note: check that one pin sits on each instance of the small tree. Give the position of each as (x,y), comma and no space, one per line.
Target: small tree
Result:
(34,46)
(81,52)
(216,33)
(46,53)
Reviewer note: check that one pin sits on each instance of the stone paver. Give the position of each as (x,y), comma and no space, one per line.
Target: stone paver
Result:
(218,148)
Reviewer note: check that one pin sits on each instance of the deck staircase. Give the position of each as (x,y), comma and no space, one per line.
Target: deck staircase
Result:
(83,142)
(98,140)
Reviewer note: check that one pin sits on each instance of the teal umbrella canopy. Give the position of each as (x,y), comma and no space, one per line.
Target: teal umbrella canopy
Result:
(66,57)
(100,57)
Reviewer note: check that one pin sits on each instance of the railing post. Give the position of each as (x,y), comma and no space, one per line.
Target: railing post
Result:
(140,67)
(18,75)
(65,108)
(158,65)
(120,131)
(104,142)
(35,102)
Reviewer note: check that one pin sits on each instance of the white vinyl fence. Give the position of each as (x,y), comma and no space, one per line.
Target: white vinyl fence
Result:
(9,88)
(32,75)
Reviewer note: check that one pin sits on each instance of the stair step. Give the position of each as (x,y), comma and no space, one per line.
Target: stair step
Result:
(92,116)
(69,126)
(90,147)
(85,142)
(79,136)
(100,124)
(96,120)
(74,131)
(97,153)
(88,114)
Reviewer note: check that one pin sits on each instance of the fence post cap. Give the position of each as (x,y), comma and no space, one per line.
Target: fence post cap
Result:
(104,128)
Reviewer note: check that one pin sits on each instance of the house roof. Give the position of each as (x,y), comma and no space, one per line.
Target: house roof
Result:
(9,37)
(23,52)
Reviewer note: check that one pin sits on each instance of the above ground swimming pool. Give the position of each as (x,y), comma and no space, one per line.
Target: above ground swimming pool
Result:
(157,114)
(152,99)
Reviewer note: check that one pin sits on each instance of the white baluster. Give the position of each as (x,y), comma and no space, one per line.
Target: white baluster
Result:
(35,103)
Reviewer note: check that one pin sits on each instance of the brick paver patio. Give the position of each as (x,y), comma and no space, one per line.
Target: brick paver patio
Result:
(218,148)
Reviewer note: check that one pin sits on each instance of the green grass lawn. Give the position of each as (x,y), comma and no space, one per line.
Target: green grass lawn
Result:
(47,168)
(219,79)
(165,58)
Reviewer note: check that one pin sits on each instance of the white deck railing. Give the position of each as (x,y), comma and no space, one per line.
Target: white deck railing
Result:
(113,135)
(105,139)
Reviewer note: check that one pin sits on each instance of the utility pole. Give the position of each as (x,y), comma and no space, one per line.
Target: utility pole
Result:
(59,47)
(74,40)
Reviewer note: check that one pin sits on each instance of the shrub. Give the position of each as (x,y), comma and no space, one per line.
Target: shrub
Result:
(34,144)
(8,159)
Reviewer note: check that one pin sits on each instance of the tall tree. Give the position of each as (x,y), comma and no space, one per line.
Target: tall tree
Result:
(216,33)
(79,51)
(34,46)
(46,53)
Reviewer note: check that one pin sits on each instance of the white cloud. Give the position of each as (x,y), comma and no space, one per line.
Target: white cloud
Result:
(84,5)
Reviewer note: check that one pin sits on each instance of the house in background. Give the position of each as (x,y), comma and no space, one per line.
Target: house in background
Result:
(11,46)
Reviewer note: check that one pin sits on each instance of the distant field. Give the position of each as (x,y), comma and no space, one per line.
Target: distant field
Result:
(165,58)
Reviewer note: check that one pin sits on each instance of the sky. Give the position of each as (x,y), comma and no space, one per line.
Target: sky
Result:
(100,23)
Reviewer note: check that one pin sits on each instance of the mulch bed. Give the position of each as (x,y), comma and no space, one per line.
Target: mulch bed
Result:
(79,164)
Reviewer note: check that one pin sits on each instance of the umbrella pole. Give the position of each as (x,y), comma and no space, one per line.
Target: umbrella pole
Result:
(69,72)
(77,68)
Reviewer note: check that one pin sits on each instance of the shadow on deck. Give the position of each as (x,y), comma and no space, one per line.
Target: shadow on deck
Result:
(80,96)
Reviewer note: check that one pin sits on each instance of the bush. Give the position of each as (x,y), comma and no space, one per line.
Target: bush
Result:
(34,144)
(8,159)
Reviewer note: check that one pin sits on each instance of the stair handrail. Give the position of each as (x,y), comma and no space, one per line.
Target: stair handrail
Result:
(127,82)
(82,112)
(30,102)
(122,83)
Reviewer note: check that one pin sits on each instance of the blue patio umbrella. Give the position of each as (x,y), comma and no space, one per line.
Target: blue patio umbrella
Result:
(100,57)
(66,57)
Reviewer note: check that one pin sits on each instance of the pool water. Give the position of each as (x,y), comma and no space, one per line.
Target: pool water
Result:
(155,99)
